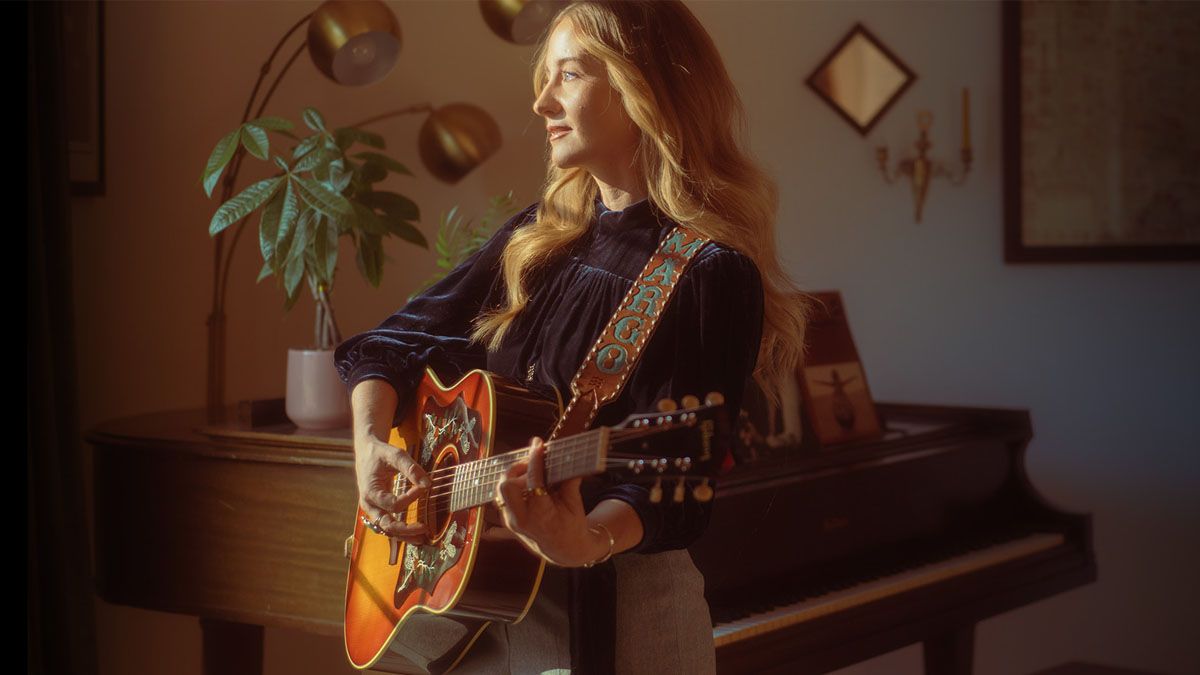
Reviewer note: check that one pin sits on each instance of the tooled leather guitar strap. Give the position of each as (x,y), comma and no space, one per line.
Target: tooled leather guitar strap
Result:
(603,373)
(599,380)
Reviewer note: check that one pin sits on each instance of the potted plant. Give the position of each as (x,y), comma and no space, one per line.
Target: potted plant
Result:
(322,191)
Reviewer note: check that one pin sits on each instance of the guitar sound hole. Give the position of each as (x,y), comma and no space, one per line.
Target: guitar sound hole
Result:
(437,507)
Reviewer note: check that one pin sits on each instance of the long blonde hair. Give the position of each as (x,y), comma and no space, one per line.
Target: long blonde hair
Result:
(691,153)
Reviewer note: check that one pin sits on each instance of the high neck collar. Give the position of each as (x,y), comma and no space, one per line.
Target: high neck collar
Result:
(638,214)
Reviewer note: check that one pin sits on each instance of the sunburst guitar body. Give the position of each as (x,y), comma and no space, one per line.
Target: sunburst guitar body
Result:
(471,568)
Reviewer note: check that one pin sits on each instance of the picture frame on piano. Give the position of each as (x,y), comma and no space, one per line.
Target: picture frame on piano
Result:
(837,403)
(767,432)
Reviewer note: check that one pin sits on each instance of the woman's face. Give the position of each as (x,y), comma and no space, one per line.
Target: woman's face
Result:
(600,136)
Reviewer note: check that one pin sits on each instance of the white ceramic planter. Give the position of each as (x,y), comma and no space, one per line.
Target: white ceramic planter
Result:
(316,397)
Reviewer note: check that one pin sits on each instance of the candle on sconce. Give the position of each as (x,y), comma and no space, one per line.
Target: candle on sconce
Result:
(966,121)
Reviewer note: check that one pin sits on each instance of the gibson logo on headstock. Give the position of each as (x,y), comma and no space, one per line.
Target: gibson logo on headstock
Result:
(707,431)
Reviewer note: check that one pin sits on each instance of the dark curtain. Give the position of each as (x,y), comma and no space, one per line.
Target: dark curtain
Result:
(61,625)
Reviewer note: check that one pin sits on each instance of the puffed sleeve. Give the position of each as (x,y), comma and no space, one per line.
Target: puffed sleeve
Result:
(712,346)
(434,324)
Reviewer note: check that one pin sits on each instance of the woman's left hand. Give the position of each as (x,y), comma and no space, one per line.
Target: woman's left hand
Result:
(551,522)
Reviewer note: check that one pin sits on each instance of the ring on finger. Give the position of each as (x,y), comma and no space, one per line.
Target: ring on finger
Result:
(500,503)
(374,525)
(538,491)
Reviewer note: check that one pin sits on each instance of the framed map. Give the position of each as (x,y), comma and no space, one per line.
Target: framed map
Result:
(1100,135)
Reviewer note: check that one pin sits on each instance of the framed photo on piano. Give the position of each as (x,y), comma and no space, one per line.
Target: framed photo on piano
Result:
(765,431)
(837,402)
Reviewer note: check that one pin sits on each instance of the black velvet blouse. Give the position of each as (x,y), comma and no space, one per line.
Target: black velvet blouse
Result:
(706,340)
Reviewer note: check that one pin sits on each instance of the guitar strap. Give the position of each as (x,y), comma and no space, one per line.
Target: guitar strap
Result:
(602,375)
(599,380)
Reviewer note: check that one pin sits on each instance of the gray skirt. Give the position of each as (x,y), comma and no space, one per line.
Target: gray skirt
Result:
(662,625)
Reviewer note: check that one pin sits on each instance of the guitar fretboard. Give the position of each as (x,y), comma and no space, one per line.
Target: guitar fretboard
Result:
(474,483)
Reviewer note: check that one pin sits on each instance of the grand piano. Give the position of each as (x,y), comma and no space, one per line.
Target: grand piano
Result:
(813,561)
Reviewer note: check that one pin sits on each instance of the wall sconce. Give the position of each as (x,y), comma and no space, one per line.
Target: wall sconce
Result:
(922,169)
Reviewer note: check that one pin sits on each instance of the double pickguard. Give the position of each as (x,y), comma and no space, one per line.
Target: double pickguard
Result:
(449,435)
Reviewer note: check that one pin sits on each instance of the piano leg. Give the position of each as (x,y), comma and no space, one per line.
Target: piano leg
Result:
(951,653)
(231,648)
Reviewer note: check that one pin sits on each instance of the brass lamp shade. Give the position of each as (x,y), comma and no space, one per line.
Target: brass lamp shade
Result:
(455,139)
(519,21)
(354,43)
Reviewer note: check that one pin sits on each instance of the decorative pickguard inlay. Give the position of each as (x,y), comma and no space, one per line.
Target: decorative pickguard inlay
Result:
(450,435)
(424,565)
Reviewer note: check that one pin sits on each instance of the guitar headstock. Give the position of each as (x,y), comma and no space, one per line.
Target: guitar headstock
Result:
(677,446)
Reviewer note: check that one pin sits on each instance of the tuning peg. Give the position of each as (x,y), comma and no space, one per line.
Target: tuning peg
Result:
(679,491)
(703,492)
(714,398)
(667,405)
(690,401)
(656,491)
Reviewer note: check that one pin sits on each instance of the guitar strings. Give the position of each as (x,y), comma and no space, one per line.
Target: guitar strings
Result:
(555,448)
(491,467)
(488,479)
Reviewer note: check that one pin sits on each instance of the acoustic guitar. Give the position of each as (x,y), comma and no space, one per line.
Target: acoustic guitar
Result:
(471,568)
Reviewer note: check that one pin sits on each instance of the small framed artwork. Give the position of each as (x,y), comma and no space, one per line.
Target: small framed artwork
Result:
(83,65)
(833,382)
(1099,109)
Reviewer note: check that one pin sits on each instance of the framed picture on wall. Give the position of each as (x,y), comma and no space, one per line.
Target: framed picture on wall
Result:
(1100,141)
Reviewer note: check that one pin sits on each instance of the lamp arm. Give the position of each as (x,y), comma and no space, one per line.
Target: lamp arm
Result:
(227,262)
(419,107)
(216,320)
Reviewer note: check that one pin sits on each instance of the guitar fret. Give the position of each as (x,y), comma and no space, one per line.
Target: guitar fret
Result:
(474,483)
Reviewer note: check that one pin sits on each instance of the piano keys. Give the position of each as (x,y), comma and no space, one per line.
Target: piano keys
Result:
(817,562)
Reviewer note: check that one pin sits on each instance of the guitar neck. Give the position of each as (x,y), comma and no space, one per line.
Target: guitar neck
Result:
(474,483)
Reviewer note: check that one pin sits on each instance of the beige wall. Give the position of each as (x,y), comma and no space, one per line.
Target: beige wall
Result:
(938,317)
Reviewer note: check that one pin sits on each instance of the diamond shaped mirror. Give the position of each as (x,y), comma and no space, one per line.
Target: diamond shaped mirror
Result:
(861,79)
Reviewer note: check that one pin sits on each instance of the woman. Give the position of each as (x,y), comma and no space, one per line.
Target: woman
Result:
(643,124)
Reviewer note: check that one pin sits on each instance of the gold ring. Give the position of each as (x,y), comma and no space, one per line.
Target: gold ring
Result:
(538,491)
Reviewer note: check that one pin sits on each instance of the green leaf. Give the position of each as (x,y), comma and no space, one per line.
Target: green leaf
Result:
(370,258)
(291,300)
(368,220)
(281,163)
(306,146)
(313,119)
(320,241)
(268,228)
(406,231)
(339,177)
(331,251)
(347,136)
(315,159)
(372,173)
(293,274)
(218,160)
(273,123)
(255,140)
(249,199)
(302,238)
(265,272)
(322,199)
(289,213)
(395,205)
(287,242)
(384,161)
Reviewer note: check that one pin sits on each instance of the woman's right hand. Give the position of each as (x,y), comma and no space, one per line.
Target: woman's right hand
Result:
(375,464)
